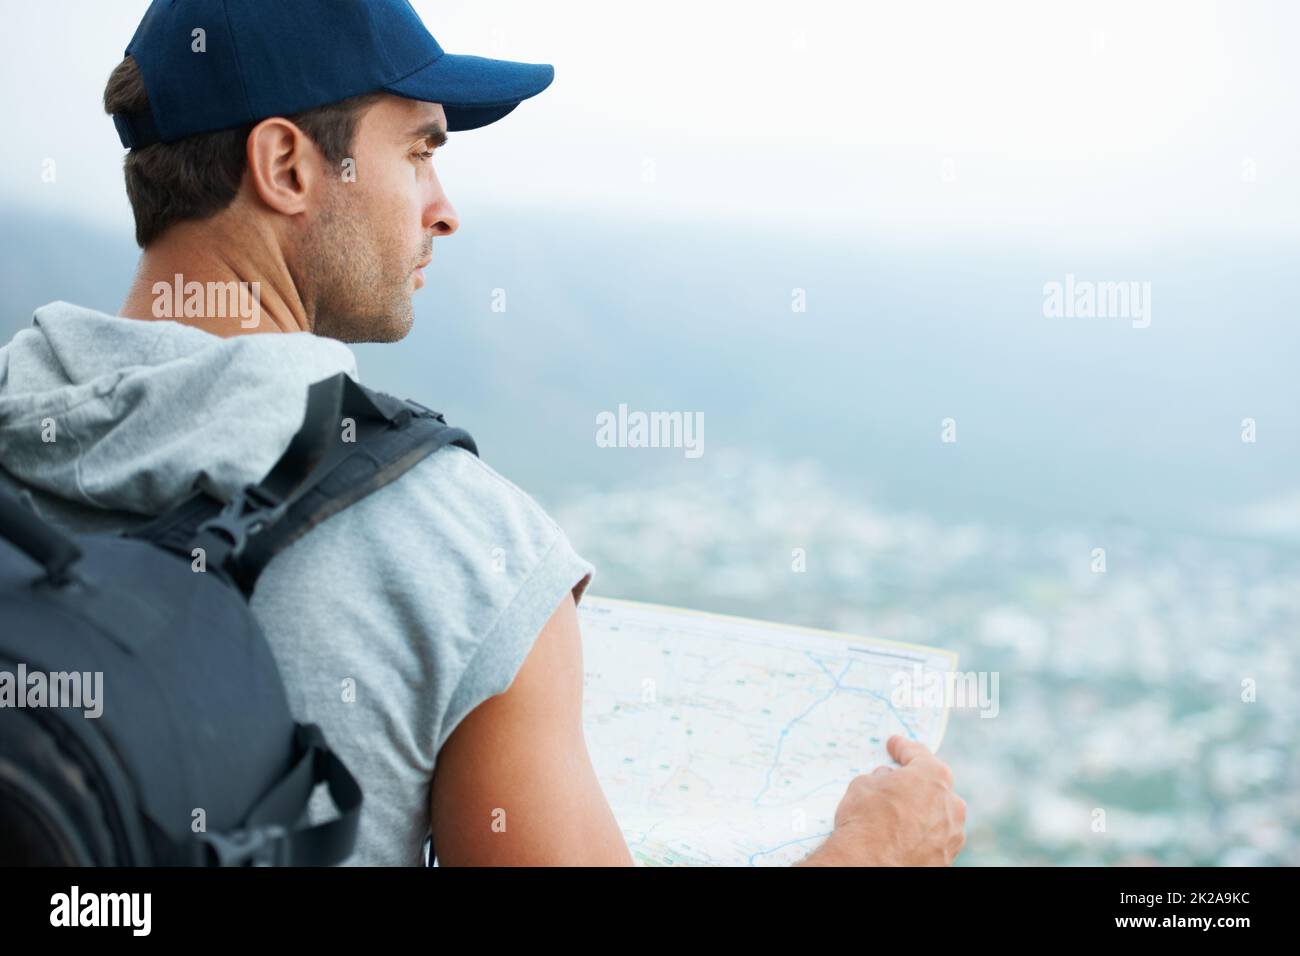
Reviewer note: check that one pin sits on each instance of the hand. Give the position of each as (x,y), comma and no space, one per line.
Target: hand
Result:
(897,817)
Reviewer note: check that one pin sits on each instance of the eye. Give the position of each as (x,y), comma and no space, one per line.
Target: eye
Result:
(423,157)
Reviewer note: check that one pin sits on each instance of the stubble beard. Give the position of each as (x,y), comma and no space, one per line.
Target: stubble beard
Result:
(361,290)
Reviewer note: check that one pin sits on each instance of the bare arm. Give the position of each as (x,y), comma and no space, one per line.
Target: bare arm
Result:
(514,785)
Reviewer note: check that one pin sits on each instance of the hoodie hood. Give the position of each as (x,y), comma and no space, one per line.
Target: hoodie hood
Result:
(127,414)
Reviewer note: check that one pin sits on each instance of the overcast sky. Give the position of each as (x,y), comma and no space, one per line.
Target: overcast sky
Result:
(1121,121)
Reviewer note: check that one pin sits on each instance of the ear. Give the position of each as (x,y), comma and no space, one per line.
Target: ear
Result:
(283,165)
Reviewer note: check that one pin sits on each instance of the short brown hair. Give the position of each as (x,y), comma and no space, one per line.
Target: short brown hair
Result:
(199,176)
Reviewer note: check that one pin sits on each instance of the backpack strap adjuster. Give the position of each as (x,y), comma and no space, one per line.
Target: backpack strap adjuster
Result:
(248,512)
(261,846)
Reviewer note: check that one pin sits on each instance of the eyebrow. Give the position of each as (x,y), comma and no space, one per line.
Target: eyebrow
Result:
(432,130)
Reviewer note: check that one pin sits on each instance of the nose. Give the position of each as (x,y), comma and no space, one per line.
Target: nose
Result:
(440,216)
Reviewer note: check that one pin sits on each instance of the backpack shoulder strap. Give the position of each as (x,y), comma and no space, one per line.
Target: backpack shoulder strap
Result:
(353,441)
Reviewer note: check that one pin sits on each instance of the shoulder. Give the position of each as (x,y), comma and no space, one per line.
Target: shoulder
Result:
(477,516)
(452,571)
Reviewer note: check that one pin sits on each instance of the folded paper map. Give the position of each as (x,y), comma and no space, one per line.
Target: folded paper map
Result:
(724,741)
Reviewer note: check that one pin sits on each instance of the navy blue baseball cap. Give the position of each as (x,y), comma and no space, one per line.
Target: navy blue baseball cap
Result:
(216,64)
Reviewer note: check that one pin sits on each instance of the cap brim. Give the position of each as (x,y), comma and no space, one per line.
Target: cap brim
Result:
(474,90)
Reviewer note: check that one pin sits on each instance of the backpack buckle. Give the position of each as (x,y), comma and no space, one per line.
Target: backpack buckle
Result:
(261,846)
(248,512)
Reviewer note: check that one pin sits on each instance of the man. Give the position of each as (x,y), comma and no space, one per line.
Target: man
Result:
(281,164)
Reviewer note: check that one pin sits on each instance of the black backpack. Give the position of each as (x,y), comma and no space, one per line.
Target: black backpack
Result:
(194,715)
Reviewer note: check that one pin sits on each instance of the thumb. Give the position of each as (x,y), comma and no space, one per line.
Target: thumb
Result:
(905,750)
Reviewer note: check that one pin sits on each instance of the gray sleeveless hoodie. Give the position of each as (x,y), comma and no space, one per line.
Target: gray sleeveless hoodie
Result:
(390,621)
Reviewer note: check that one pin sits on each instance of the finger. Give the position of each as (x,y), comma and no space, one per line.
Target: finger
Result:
(883,768)
(904,750)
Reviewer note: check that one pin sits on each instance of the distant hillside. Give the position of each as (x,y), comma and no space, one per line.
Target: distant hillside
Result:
(1072,421)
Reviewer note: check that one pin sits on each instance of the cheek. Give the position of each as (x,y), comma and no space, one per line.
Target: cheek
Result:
(393,203)
(384,210)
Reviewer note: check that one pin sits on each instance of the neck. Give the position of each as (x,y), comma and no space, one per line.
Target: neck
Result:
(231,281)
